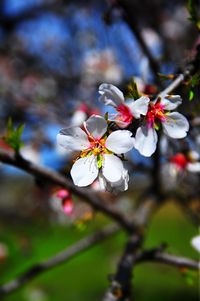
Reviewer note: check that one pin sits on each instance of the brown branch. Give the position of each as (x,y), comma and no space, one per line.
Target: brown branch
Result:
(62,257)
(158,256)
(129,17)
(190,69)
(53,177)
(120,288)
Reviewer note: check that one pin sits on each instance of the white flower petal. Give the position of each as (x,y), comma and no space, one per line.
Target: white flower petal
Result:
(176,125)
(194,167)
(102,182)
(146,141)
(84,171)
(195,242)
(139,106)
(112,168)
(171,102)
(120,142)
(110,95)
(78,118)
(96,126)
(73,138)
(121,185)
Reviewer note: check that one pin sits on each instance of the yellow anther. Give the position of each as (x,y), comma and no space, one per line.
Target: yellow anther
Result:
(96,151)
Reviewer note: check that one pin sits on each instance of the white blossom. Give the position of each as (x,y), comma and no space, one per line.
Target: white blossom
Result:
(99,157)
(127,111)
(175,125)
(195,242)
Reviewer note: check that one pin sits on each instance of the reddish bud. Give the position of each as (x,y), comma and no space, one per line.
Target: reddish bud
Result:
(68,206)
(63,194)
(180,160)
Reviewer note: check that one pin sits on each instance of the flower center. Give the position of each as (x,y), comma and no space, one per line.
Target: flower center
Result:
(96,148)
(125,114)
(155,113)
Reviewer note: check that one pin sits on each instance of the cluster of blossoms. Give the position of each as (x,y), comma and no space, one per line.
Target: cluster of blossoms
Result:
(102,151)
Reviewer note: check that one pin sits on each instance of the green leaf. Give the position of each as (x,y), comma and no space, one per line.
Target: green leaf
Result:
(193,11)
(106,116)
(195,80)
(13,135)
(191,95)
(156,126)
(133,90)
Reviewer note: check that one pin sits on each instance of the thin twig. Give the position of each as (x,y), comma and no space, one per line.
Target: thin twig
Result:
(62,257)
(168,259)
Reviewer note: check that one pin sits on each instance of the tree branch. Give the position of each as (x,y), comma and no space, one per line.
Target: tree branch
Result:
(155,255)
(130,19)
(120,288)
(62,257)
(51,176)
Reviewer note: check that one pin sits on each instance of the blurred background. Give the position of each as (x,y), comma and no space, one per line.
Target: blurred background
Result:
(53,56)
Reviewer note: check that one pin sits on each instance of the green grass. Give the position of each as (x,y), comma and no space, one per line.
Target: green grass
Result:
(85,277)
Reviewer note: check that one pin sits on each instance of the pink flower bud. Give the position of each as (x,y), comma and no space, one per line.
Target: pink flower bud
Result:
(63,193)
(179,160)
(68,206)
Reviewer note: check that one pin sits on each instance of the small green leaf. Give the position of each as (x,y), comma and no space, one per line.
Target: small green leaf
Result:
(193,11)
(191,95)
(133,90)
(195,80)
(106,116)
(156,126)
(189,276)
(13,135)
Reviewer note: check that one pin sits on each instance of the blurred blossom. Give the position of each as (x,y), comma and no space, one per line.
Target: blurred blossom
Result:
(177,168)
(180,161)
(67,205)
(31,153)
(62,204)
(62,201)
(101,66)
(173,24)
(35,86)
(83,112)
(153,41)
(195,242)
(36,294)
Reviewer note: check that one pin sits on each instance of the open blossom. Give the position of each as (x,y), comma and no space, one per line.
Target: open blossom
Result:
(175,125)
(195,242)
(187,162)
(127,111)
(98,157)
